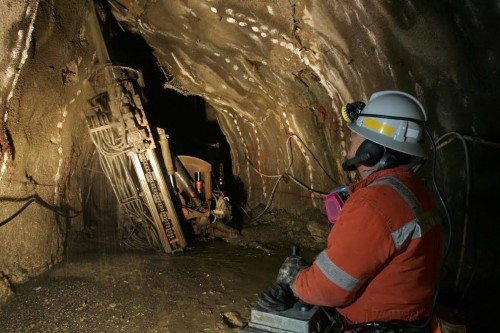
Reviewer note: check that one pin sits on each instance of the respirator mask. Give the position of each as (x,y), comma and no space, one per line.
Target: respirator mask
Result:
(334,202)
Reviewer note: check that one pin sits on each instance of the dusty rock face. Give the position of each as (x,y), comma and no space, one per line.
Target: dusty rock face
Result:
(43,136)
(274,73)
(5,290)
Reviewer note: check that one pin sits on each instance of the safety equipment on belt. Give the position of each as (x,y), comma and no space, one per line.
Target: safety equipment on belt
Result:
(392,119)
(334,202)
(279,297)
(290,268)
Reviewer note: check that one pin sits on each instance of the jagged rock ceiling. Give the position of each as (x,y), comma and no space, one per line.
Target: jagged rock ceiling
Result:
(274,73)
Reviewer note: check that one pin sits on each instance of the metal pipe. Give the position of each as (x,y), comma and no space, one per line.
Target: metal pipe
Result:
(185,181)
(167,156)
(176,170)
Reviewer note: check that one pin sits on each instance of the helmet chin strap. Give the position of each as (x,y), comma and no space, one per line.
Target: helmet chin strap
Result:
(380,165)
(384,162)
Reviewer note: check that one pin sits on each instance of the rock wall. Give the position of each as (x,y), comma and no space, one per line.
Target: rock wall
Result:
(46,58)
(275,73)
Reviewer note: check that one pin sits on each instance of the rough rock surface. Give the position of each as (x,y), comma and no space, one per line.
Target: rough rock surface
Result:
(5,290)
(273,75)
(42,146)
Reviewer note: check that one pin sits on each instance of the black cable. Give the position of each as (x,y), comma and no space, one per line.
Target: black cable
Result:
(289,176)
(448,224)
(438,192)
(29,200)
(315,158)
(4,222)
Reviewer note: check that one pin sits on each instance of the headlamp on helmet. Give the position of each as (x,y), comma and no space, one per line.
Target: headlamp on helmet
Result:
(351,111)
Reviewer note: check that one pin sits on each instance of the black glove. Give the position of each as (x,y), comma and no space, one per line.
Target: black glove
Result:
(278,298)
(290,268)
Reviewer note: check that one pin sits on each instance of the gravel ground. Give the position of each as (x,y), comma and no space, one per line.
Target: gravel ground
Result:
(209,288)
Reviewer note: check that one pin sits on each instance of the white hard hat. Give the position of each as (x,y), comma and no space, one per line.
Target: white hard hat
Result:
(395,120)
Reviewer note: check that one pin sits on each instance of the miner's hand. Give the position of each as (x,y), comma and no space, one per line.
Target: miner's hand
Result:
(290,268)
(278,298)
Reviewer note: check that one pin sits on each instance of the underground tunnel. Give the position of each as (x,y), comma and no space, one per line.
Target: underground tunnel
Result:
(161,159)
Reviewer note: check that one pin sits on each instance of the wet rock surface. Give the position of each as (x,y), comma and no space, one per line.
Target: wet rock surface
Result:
(209,288)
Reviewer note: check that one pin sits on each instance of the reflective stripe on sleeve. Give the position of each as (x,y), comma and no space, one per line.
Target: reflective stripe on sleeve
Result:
(423,221)
(335,274)
(400,236)
(404,191)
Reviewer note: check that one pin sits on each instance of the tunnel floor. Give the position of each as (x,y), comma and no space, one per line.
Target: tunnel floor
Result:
(209,288)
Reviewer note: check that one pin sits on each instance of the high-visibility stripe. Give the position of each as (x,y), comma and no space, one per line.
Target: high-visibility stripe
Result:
(423,221)
(378,126)
(335,274)
(404,191)
(410,229)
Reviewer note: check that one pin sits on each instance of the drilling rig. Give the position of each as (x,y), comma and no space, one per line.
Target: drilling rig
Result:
(154,210)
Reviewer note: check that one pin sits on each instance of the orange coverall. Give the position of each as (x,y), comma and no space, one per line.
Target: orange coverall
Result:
(383,255)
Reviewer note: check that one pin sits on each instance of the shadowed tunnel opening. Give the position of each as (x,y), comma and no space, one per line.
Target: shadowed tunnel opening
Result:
(190,123)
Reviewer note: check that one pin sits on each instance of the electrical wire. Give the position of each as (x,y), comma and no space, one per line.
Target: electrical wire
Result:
(304,186)
(29,200)
(286,175)
(447,221)
(273,191)
(456,135)
(335,181)
(222,210)
(19,211)
(482,141)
